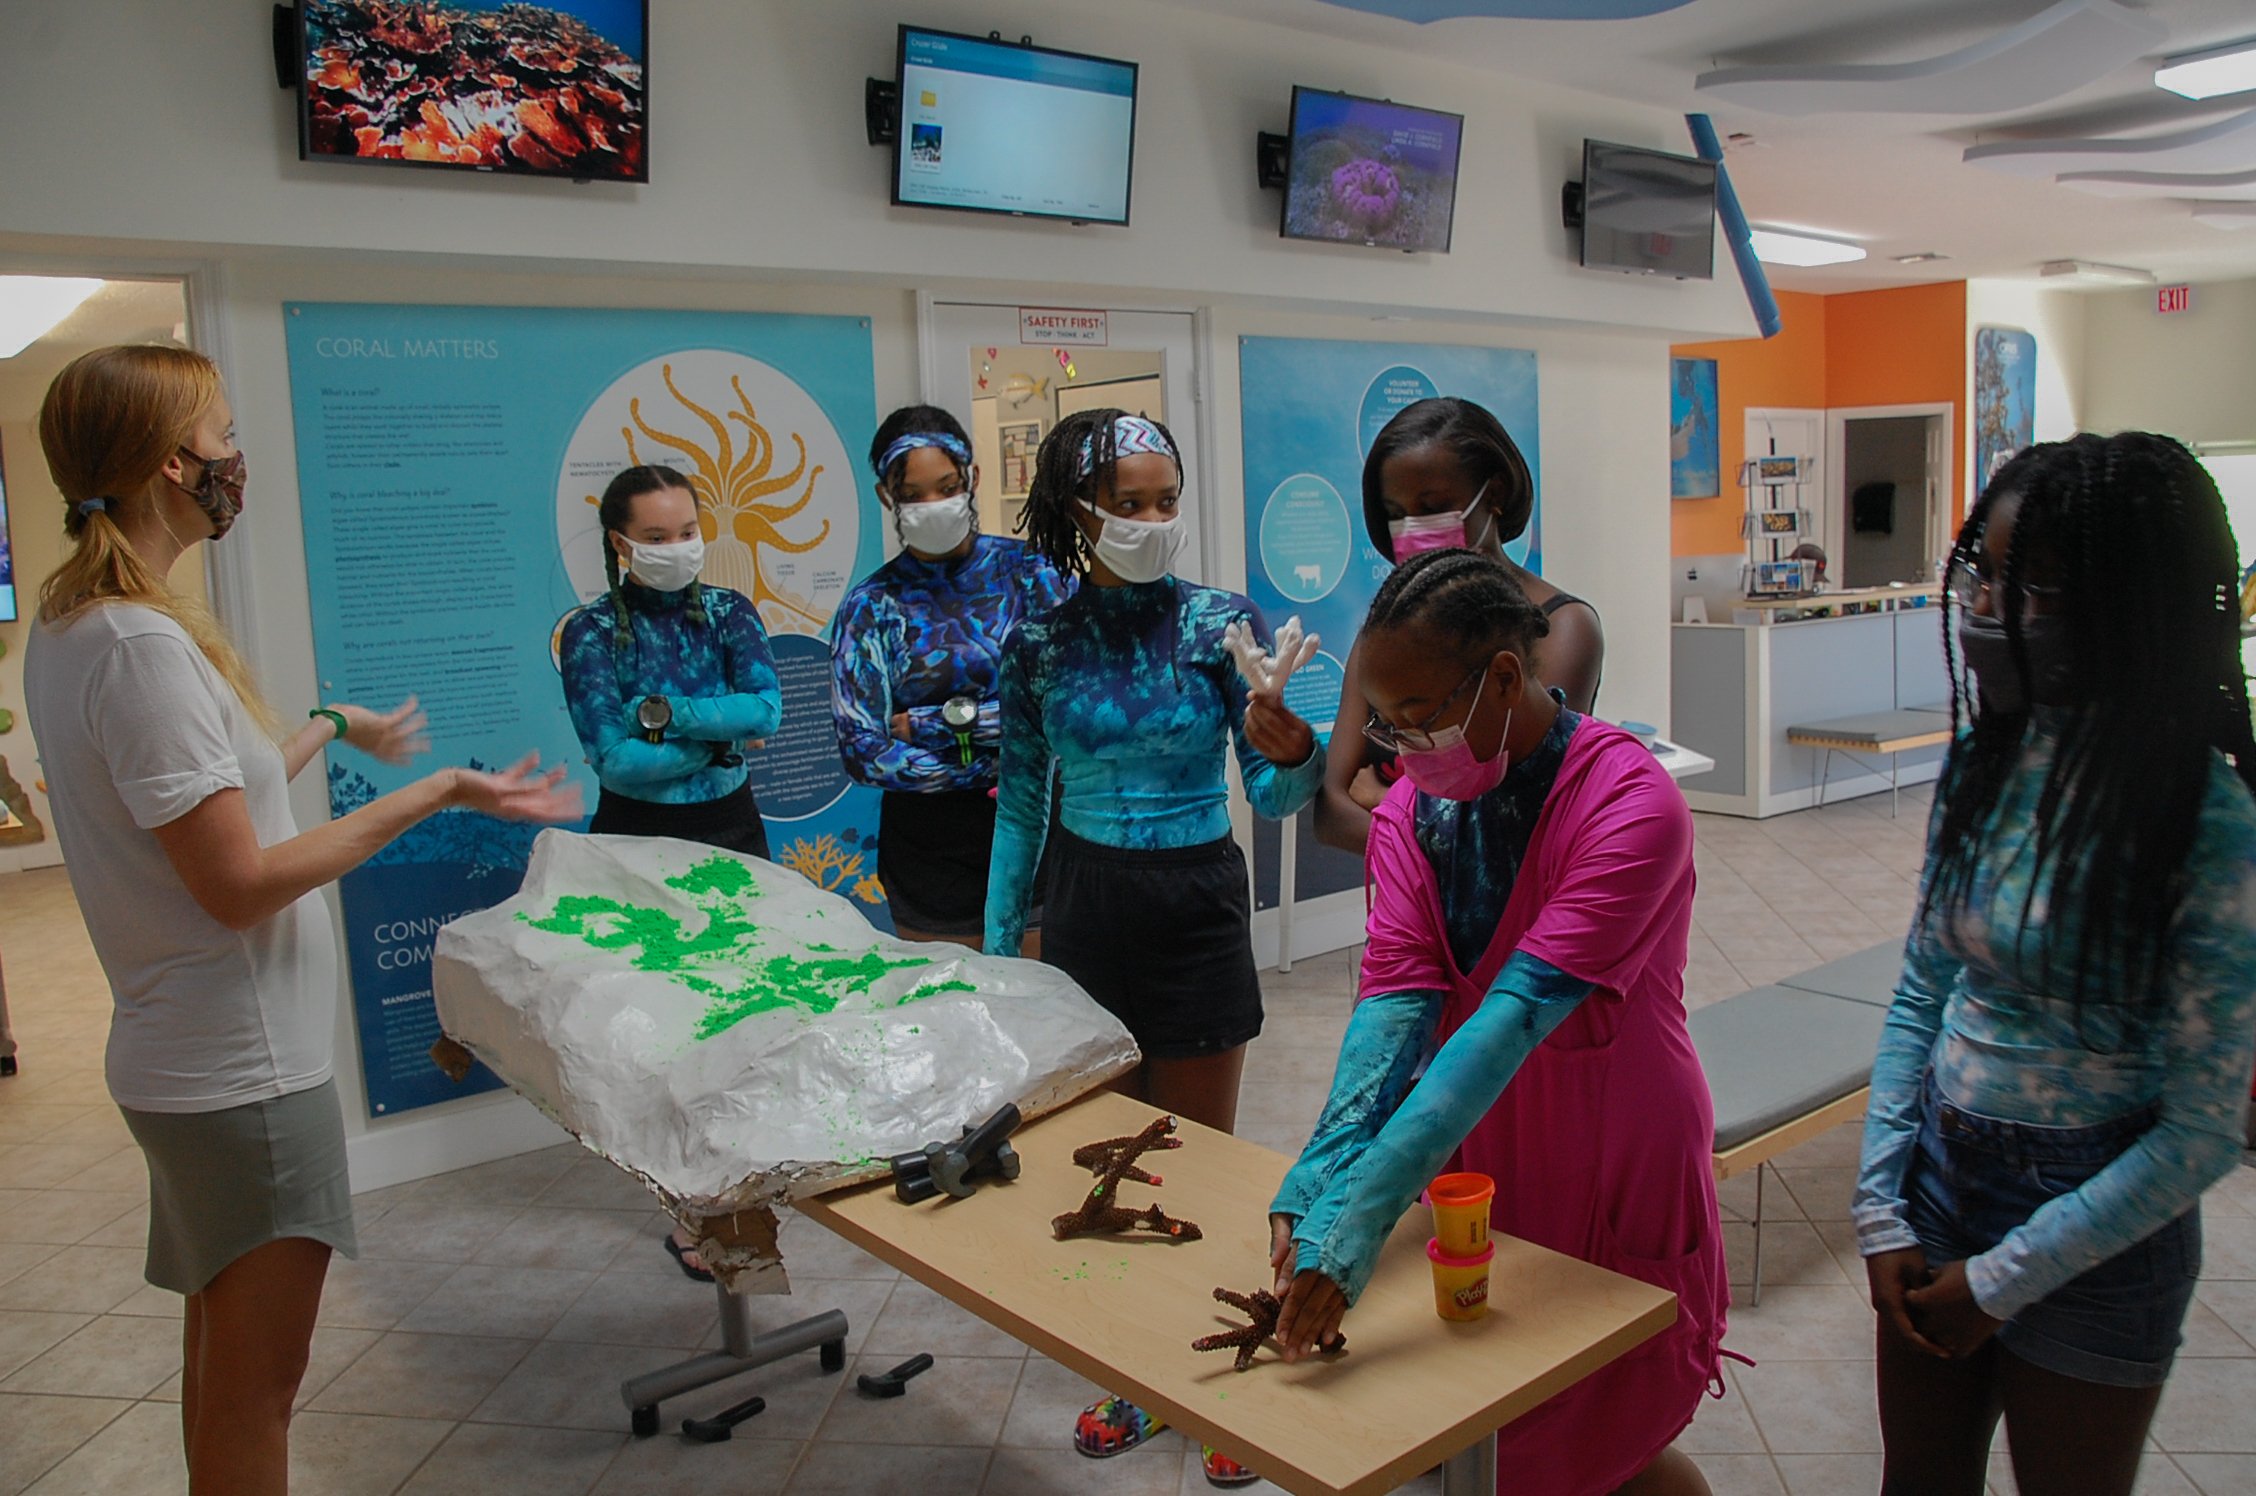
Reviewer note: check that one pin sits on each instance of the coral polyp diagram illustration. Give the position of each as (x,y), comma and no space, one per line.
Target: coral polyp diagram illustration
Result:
(778,489)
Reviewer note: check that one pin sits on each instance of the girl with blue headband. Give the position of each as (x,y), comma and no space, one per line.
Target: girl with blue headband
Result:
(1131,688)
(915,657)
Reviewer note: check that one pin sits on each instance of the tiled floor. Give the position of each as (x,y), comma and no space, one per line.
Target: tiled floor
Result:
(449,1363)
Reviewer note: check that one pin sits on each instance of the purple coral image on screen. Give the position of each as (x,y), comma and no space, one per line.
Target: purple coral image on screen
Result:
(1369,172)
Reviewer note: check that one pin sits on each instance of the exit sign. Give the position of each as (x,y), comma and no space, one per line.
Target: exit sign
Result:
(2174,299)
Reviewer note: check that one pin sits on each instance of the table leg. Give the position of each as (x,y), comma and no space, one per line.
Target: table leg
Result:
(742,1350)
(1472,1471)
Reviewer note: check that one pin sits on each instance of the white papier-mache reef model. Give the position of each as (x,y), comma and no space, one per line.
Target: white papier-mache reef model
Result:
(734,1036)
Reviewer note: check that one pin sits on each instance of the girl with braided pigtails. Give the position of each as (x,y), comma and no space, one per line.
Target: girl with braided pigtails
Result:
(1131,689)
(1532,903)
(668,681)
(2065,1066)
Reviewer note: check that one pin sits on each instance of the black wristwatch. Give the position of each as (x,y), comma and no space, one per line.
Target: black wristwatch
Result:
(961,715)
(654,716)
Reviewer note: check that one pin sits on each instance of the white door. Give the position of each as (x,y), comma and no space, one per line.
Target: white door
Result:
(964,346)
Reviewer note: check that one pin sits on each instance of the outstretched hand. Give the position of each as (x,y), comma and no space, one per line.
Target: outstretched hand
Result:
(391,737)
(520,792)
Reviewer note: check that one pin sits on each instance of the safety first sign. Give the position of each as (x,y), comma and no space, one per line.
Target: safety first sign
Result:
(1045,325)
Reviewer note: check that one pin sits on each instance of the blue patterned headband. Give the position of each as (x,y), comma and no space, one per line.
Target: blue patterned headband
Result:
(915,439)
(1131,435)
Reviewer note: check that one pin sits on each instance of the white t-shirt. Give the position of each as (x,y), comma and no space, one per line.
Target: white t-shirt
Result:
(135,729)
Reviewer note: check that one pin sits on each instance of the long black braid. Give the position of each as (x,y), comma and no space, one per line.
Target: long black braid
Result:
(1466,596)
(614,514)
(2158,689)
(1050,523)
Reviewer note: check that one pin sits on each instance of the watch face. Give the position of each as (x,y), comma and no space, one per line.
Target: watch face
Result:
(654,713)
(960,712)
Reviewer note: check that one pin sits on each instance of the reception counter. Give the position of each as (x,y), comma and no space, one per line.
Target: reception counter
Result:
(1737,688)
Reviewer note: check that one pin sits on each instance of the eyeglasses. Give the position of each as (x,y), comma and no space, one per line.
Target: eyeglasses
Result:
(1974,577)
(1419,737)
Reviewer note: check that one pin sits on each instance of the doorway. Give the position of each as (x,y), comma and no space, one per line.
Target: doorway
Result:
(980,366)
(1890,498)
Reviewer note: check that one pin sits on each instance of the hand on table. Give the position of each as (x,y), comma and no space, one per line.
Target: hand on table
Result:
(520,792)
(1947,1314)
(391,737)
(1892,1276)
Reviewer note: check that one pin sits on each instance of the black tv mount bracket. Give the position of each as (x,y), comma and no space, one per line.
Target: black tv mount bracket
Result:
(1272,155)
(881,110)
(1570,205)
(286,47)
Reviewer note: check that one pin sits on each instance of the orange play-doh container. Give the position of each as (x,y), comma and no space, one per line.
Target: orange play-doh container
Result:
(1460,1212)
(1460,1283)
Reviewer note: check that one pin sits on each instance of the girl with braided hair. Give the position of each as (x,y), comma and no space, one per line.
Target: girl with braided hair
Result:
(668,681)
(1130,689)
(1444,472)
(916,652)
(1531,909)
(2065,1066)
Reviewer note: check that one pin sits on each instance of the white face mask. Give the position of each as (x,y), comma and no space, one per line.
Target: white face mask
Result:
(1138,550)
(666,568)
(936,526)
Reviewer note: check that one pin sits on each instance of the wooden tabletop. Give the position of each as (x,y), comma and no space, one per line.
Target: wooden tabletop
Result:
(1412,1389)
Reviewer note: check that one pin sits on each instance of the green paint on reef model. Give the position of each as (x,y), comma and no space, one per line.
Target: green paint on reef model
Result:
(747,980)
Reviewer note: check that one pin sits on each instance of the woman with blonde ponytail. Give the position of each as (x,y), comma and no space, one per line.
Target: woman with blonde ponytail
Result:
(200,893)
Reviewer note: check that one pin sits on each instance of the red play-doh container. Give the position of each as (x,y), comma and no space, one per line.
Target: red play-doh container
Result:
(1460,1283)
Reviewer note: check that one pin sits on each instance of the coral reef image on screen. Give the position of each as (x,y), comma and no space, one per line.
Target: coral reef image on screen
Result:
(546,89)
(1364,172)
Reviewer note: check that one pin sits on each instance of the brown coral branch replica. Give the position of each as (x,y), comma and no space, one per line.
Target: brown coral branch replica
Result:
(1261,1308)
(1101,1213)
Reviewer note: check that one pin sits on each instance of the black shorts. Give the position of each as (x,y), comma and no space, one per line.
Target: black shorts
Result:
(1162,938)
(732,822)
(932,854)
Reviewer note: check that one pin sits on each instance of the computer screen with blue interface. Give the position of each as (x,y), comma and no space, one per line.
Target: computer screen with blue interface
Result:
(7,562)
(996,127)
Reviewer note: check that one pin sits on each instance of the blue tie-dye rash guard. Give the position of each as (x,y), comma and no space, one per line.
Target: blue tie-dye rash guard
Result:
(1973,1007)
(719,677)
(1132,692)
(915,633)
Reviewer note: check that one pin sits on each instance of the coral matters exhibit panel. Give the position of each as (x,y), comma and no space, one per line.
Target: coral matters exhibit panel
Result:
(449,461)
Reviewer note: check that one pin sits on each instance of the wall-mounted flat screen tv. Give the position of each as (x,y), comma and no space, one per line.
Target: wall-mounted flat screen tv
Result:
(1364,171)
(995,127)
(1647,212)
(551,90)
(7,561)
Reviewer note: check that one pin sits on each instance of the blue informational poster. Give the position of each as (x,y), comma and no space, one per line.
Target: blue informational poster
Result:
(1695,447)
(2005,398)
(1311,410)
(449,463)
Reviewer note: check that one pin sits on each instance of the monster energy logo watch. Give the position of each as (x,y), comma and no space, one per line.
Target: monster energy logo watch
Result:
(961,714)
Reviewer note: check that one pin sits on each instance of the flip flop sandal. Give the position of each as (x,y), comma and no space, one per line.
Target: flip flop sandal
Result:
(1223,1471)
(680,1254)
(1112,1427)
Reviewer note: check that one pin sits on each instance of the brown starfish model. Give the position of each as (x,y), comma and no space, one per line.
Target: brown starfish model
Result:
(1100,1212)
(1261,1307)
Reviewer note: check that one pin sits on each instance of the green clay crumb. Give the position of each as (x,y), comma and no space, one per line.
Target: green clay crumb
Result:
(933,989)
(724,875)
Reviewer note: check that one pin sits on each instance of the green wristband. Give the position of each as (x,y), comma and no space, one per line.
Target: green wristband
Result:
(335,717)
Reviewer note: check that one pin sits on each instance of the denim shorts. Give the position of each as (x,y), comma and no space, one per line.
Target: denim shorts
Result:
(1972,1179)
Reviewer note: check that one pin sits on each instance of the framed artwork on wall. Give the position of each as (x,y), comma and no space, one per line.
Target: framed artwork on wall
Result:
(2005,398)
(1695,451)
(1019,441)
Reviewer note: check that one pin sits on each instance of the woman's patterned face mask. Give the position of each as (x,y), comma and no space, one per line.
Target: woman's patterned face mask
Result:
(219,492)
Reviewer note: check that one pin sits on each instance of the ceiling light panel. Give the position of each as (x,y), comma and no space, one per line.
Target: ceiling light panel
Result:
(2094,273)
(1782,247)
(2205,75)
(31,306)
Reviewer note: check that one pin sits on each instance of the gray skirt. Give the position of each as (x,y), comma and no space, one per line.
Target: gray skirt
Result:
(222,1183)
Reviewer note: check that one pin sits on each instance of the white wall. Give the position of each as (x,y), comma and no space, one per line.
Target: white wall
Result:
(156,120)
(2190,374)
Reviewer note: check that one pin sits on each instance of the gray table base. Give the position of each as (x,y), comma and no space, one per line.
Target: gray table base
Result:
(1472,1471)
(742,1350)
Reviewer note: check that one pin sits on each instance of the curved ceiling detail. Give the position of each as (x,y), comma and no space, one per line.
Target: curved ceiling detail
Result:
(2228,144)
(2061,48)
(1423,11)
(2226,215)
(2223,186)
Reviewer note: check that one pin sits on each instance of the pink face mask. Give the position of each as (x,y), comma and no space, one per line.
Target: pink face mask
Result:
(1447,770)
(1436,532)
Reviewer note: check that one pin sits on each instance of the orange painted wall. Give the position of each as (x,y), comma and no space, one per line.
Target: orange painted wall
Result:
(1901,346)
(1786,370)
